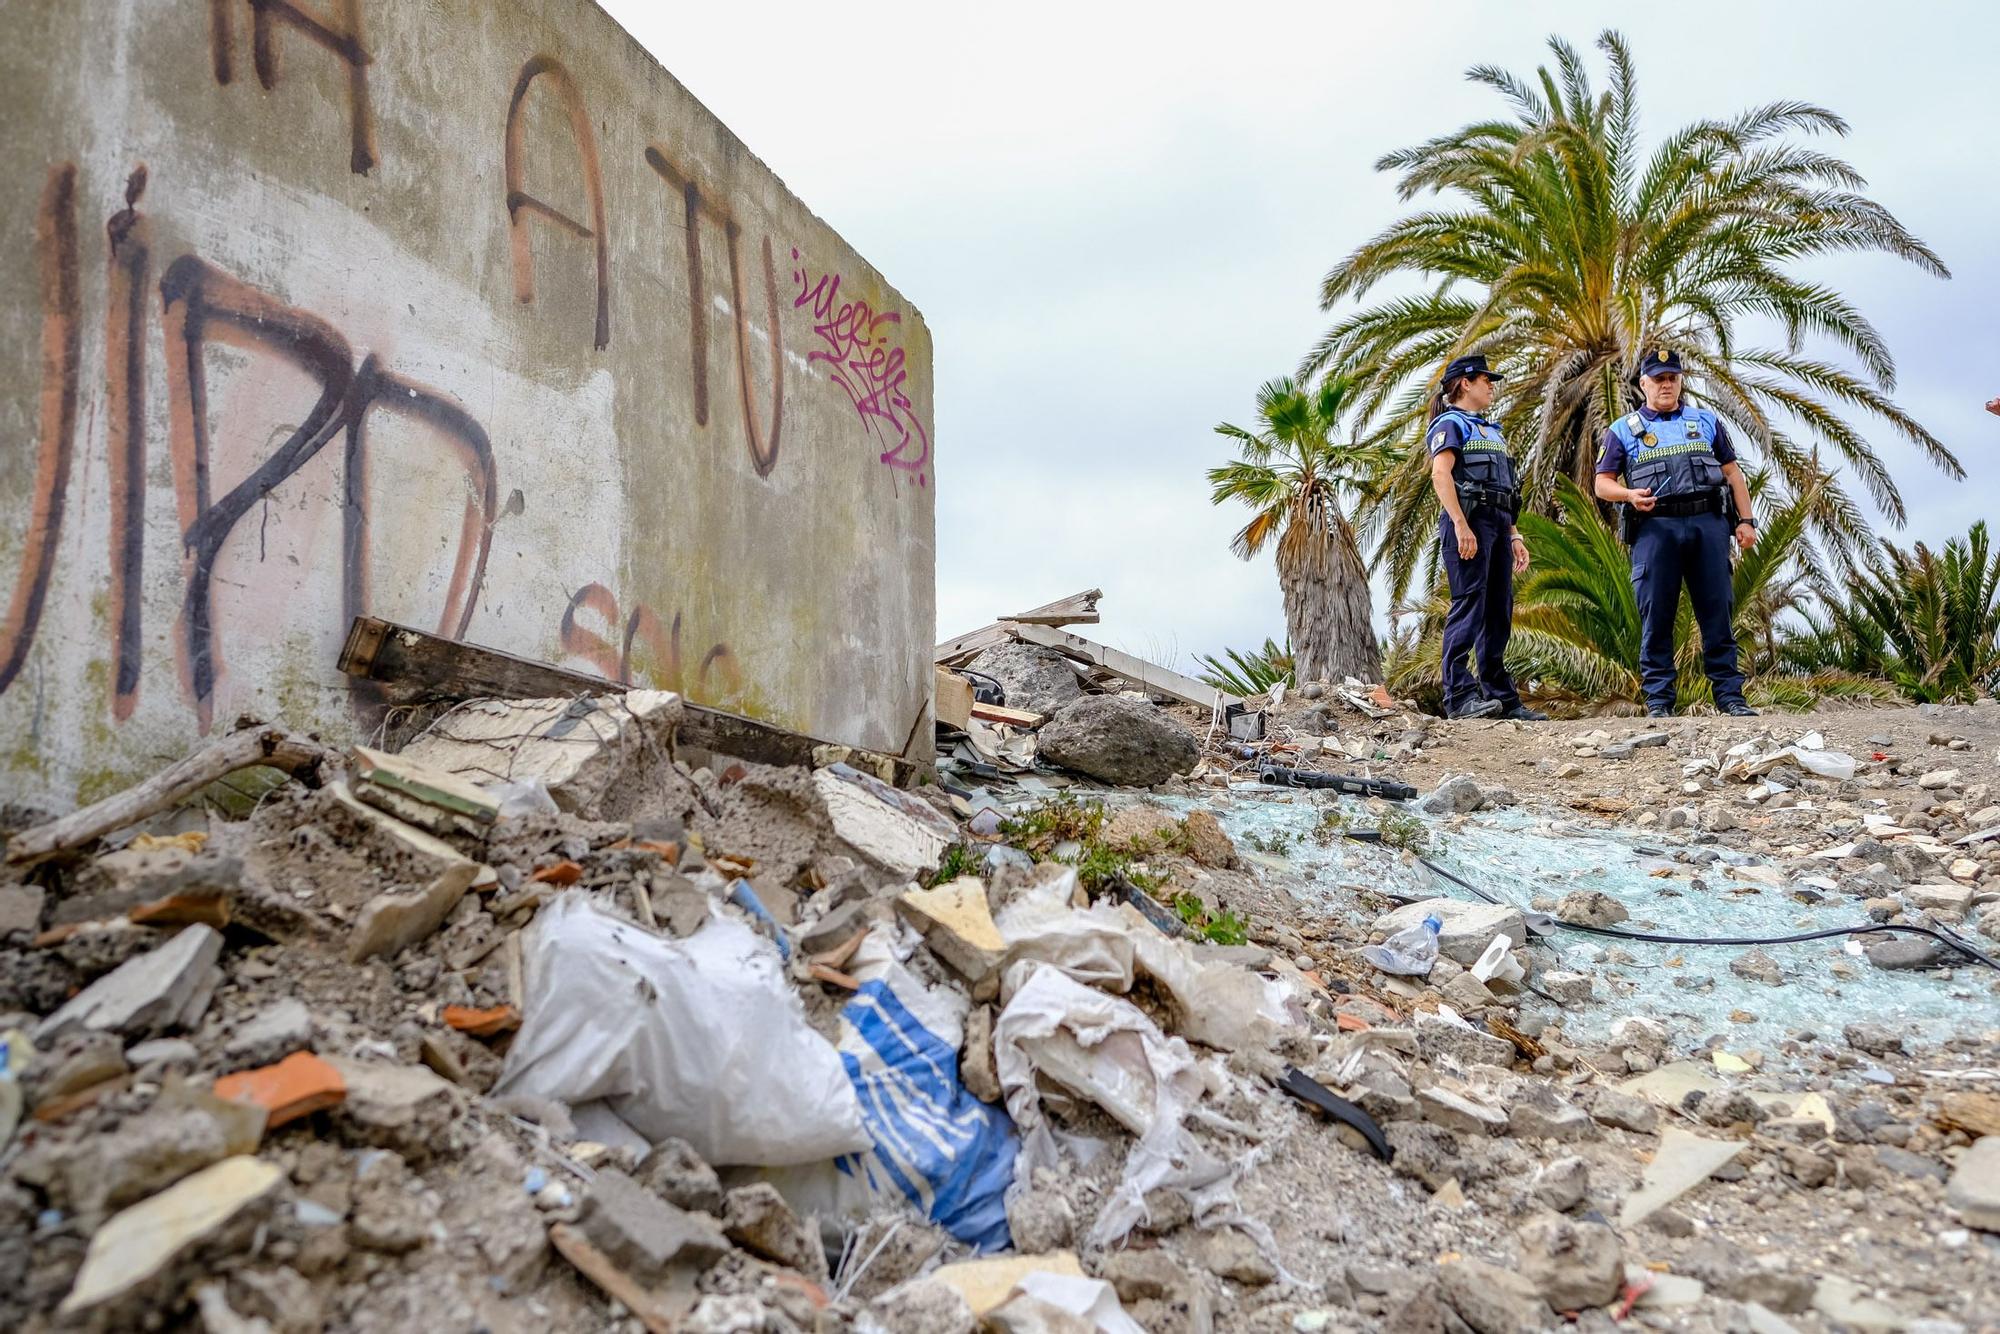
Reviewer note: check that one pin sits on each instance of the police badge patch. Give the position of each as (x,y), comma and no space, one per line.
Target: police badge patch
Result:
(1649,439)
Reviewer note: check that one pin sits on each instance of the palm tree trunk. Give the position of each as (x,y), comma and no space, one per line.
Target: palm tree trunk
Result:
(1328,605)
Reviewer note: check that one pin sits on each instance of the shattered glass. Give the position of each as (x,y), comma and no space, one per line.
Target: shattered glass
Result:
(1516,856)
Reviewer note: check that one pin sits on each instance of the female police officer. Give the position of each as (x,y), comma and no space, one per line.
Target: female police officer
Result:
(1687,499)
(1483,551)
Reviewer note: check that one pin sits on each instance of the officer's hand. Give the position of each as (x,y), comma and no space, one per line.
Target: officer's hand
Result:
(1746,536)
(1642,500)
(1520,556)
(1468,543)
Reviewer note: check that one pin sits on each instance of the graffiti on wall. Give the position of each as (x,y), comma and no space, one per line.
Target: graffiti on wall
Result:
(351,392)
(862,349)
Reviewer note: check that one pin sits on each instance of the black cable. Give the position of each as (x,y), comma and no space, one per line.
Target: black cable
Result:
(1943,937)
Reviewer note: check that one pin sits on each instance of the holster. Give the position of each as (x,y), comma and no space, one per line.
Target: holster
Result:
(1472,495)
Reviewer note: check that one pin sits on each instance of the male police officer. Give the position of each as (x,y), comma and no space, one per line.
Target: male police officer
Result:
(1680,476)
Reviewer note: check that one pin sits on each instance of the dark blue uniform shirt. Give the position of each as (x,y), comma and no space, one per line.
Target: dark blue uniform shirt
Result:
(1611,452)
(1447,433)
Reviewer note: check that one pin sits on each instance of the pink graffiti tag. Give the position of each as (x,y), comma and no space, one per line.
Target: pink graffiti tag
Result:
(866,360)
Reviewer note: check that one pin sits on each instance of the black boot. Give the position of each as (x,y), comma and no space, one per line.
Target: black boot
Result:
(1521,713)
(1479,708)
(1737,708)
(1659,710)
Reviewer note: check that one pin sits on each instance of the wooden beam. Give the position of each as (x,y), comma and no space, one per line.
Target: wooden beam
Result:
(957,652)
(1146,675)
(1076,609)
(417,665)
(299,756)
(993,713)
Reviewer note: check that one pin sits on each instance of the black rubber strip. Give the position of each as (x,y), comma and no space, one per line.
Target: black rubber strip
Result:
(1948,939)
(1315,1094)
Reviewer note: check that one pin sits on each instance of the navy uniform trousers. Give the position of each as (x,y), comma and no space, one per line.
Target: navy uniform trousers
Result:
(1667,551)
(1482,610)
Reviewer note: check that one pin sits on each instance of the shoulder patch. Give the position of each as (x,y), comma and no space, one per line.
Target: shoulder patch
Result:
(1438,440)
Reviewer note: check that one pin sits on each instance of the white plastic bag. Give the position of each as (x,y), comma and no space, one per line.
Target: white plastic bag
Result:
(700,1039)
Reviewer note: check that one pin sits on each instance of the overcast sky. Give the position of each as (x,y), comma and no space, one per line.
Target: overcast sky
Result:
(1115,219)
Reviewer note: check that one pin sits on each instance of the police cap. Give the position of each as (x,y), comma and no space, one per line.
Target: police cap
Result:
(1467,367)
(1660,359)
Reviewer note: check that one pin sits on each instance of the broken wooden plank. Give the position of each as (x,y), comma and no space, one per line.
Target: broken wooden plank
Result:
(957,652)
(1148,676)
(421,665)
(1076,609)
(274,747)
(953,704)
(994,713)
(418,665)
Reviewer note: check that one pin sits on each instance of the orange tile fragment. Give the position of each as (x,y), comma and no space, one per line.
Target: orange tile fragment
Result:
(297,1086)
(486,1023)
(668,852)
(1352,1023)
(183,910)
(562,873)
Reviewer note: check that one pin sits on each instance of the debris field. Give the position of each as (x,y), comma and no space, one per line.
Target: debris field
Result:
(547,1013)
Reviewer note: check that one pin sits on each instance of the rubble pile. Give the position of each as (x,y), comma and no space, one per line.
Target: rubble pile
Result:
(541,1021)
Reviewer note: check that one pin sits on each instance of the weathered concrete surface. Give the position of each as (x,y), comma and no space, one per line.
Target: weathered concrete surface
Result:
(499,332)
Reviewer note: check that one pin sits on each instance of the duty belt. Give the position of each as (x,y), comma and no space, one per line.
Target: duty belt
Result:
(1472,495)
(1700,502)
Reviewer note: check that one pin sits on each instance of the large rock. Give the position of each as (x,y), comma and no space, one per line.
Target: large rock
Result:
(1113,739)
(1037,679)
(1466,928)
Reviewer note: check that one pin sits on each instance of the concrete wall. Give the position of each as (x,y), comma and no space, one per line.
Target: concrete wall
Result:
(462,313)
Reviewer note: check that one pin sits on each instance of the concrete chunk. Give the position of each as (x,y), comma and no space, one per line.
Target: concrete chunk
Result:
(401,1107)
(1975,1185)
(642,1233)
(144,996)
(1467,928)
(598,756)
(392,922)
(143,1241)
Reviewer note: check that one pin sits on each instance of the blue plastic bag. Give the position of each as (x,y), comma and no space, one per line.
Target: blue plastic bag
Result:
(946,1152)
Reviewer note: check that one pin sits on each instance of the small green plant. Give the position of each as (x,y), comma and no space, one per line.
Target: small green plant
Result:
(1277,843)
(1406,833)
(1331,827)
(1061,819)
(1228,928)
(1223,928)
(957,860)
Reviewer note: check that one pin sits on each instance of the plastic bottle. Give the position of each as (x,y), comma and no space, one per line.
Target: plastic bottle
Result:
(1410,952)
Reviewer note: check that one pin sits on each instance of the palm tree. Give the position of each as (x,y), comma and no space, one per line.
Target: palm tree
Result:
(1565,254)
(1293,472)
(1928,621)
